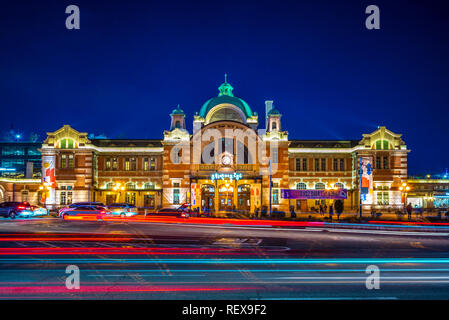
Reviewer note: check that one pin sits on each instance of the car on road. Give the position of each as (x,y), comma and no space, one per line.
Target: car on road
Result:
(78,204)
(33,211)
(12,209)
(181,212)
(87,210)
(122,209)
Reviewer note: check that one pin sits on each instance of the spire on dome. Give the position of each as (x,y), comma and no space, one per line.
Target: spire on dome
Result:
(225,89)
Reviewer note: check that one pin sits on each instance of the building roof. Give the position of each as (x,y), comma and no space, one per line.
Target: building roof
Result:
(274,112)
(127,143)
(177,110)
(323,143)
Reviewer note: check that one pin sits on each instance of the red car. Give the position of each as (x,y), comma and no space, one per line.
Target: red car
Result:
(98,211)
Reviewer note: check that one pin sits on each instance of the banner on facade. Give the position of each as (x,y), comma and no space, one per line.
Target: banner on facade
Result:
(314,194)
(48,176)
(366,174)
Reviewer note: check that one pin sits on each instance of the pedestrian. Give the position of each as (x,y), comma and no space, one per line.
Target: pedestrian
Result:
(321,209)
(292,212)
(256,213)
(409,211)
(331,211)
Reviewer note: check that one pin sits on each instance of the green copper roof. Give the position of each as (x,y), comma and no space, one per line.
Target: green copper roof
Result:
(225,95)
(274,112)
(177,111)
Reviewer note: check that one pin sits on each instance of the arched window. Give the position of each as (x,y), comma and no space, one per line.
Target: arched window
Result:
(67,144)
(273,125)
(178,124)
(130,186)
(339,185)
(320,186)
(301,186)
(382,145)
(149,185)
(110,185)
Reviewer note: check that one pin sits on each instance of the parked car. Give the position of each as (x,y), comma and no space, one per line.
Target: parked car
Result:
(122,209)
(33,211)
(92,210)
(78,204)
(181,212)
(13,208)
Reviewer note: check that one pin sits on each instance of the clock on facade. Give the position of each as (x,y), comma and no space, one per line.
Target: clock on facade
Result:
(226,160)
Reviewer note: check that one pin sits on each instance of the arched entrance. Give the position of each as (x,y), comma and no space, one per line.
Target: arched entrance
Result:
(225,197)
(207,198)
(244,197)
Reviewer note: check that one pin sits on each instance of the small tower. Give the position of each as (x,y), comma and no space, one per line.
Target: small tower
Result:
(178,119)
(273,119)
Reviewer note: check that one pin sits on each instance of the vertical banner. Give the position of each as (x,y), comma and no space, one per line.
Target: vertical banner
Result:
(366,189)
(195,193)
(48,176)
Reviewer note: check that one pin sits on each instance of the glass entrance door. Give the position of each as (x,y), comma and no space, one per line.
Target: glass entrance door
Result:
(244,197)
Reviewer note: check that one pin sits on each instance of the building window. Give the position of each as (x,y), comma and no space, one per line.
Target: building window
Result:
(64,161)
(323,164)
(275,196)
(133,164)
(127,164)
(335,162)
(342,164)
(130,198)
(339,185)
(320,186)
(146,164)
(273,125)
(304,164)
(274,155)
(385,162)
(176,193)
(301,186)
(67,144)
(152,164)
(149,186)
(130,186)
(114,164)
(13,151)
(177,124)
(176,155)
(378,161)
(110,185)
(65,195)
(317,164)
(108,164)
(383,198)
(70,161)
(298,164)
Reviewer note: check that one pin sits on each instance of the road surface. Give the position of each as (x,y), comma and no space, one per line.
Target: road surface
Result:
(157,260)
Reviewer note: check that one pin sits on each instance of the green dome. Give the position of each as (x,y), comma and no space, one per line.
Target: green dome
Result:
(274,112)
(225,95)
(177,111)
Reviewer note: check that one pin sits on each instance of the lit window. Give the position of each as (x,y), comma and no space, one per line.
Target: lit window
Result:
(127,164)
(146,164)
(63,161)
(108,164)
(153,164)
(320,186)
(70,162)
(301,186)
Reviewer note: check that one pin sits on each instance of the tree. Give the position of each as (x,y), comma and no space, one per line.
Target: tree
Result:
(338,205)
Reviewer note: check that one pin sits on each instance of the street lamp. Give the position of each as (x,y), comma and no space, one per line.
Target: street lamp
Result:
(404,188)
(118,187)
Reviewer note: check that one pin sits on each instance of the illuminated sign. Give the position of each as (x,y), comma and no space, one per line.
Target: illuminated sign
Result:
(223,176)
(314,194)
(8,169)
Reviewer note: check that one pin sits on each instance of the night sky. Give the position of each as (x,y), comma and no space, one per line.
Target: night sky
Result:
(132,62)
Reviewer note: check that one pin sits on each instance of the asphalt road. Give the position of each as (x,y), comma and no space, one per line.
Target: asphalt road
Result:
(153,260)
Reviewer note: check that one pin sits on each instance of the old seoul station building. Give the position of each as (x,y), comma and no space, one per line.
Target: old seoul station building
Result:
(225,164)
